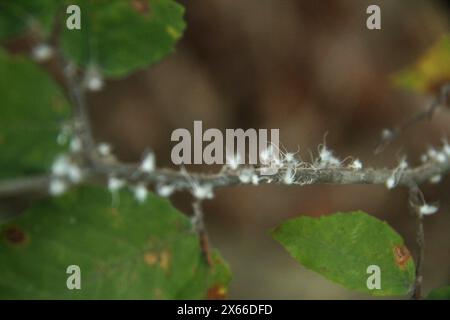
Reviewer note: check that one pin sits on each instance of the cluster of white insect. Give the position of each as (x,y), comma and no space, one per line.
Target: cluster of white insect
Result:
(64,172)
(249,175)
(115,184)
(283,164)
(441,156)
(202,192)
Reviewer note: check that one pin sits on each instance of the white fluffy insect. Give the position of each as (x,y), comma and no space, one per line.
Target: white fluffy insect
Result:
(390,182)
(233,161)
(57,187)
(289,175)
(266,155)
(432,153)
(61,166)
(202,192)
(165,190)
(396,175)
(327,159)
(74,174)
(403,165)
(246,175)
(115,184)
(435,179)
(140,193)
(104,149)
(198,190)
(386,134)
(42,52)
(441,157)
(290,157)
(356,164)
(427,209)
(148,164)
(75,144)
(93,79)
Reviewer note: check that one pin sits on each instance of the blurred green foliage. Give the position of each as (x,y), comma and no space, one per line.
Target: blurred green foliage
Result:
(32,111)
(131,251)
(120,38)
(430,72)
(440,294)
(18,16)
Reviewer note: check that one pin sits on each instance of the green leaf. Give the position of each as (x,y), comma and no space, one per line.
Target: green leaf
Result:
(132,251)
(442,293)
(31,113)
(122,36)
(17,16)
(430,72)
(342,246)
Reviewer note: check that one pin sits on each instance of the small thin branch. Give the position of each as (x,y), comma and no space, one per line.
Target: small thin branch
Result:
(390,135)
(415,201)
(77,96)
(27,185)
(199,225)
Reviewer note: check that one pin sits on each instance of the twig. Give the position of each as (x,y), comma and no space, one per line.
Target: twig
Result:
(390,135)
(26,185)
(199,226)
(415,201)
(76,93)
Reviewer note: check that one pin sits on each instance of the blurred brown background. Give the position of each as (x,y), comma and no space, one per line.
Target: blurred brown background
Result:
(307,68)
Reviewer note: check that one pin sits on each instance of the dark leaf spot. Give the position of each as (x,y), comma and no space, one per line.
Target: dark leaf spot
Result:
(217,292)
(140,6)
(402,256)
(15,235)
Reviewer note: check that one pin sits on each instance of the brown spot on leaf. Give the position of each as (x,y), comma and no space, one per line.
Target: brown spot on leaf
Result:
(141,6)
(14,235)
(217,292)
(164,260)
(158,293)
(402,256)
(150,258)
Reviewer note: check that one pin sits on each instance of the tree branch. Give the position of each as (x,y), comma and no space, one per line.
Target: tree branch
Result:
(415,201)
(199,225)
(131,173)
